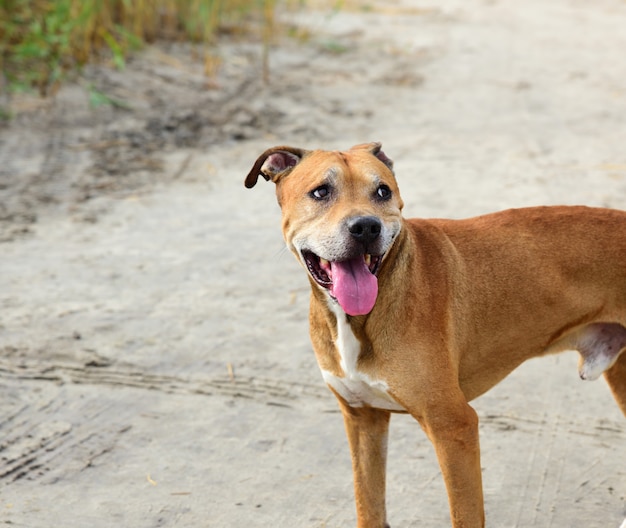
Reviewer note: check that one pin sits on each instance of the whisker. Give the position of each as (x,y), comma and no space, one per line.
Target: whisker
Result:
(278,254)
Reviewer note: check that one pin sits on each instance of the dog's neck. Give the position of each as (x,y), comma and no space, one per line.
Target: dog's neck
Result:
(393,268)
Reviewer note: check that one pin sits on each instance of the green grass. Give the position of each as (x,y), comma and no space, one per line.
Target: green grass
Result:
(43,41)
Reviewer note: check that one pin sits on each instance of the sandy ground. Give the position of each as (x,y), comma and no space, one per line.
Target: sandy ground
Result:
(155,368)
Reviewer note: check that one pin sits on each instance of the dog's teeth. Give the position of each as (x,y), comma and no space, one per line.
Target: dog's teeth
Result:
(368,259)
(325,265)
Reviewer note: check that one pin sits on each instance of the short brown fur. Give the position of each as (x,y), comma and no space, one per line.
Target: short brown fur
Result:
(461,303)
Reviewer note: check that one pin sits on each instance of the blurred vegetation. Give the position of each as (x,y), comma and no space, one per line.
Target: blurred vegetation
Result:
(43,41)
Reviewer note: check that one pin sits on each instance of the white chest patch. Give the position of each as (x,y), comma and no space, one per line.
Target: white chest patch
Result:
(357,388)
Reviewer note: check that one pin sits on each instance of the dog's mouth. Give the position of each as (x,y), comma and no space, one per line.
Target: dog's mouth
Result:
(352,282)
(322,270)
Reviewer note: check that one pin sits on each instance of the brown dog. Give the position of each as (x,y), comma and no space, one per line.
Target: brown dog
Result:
(422,316)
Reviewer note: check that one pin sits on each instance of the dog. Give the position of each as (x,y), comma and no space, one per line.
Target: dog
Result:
(422,316)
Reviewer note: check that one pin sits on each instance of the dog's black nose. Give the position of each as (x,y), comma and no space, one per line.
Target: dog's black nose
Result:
(365,229)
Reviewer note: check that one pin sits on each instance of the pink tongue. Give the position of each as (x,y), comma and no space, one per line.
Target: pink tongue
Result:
(354,286)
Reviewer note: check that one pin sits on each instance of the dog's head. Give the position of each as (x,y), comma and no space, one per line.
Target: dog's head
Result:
(341,214)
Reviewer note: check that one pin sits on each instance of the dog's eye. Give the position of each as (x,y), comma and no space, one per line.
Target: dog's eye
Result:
(321,193)
(383,192)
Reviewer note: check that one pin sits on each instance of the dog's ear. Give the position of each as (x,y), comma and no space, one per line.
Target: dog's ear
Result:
(375,149)
(273,162)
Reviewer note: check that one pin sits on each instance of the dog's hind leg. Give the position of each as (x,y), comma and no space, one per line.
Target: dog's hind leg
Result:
(616,378)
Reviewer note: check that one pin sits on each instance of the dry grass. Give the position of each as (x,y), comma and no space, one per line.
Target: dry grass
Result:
(41,41)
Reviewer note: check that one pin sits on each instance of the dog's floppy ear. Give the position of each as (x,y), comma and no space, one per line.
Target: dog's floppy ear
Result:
(375,149)
(273,162)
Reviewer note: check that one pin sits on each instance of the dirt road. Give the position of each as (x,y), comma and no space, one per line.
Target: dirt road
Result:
(155,368)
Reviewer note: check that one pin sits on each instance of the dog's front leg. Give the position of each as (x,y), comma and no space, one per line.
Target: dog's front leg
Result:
(453,430)
(367,429)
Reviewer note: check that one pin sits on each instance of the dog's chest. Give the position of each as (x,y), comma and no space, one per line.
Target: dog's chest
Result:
(357,388)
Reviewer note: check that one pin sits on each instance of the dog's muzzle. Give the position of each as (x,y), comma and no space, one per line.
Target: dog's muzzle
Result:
(351,279)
